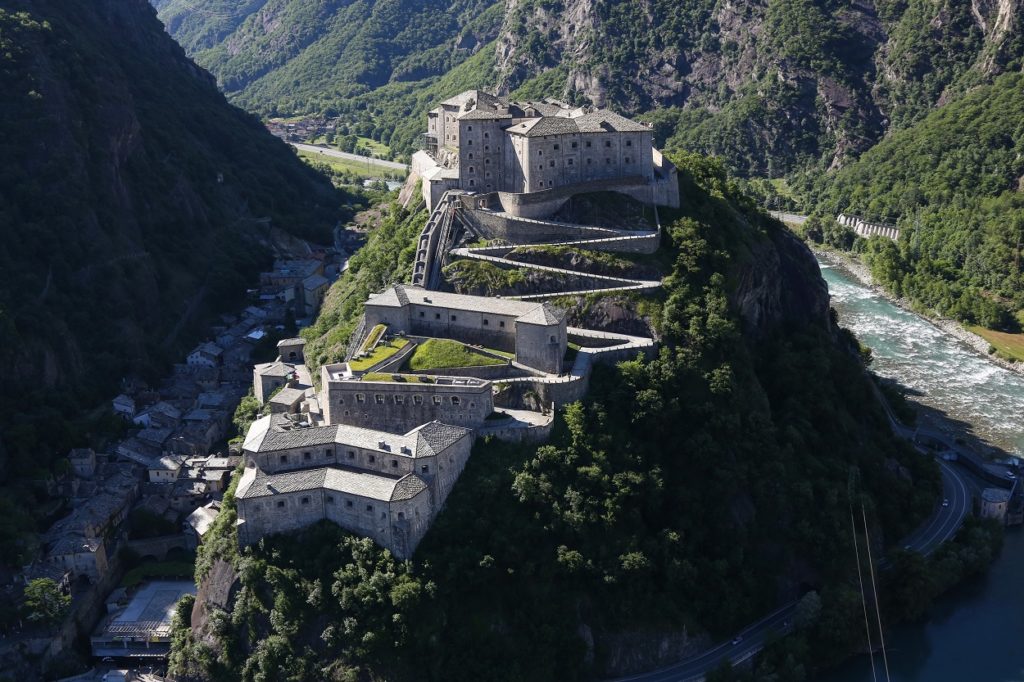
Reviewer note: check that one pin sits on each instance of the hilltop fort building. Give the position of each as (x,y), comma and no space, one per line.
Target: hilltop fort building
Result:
(481,143)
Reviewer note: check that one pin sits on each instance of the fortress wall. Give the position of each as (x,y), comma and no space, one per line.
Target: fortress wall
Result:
(489,372)
(402,406)
(533,434)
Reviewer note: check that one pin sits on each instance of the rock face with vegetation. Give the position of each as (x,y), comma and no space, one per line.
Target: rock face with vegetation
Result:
(683,498)
(953,185)
(771,85)
(135,201)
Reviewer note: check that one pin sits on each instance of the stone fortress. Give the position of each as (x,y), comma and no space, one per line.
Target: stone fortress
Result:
(379,444)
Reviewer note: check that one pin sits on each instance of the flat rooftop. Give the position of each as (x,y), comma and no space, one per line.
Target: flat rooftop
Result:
(149,614)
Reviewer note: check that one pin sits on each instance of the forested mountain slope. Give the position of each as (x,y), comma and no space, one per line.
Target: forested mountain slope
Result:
(685,495)
(770,85)
(954,184)
(134,201)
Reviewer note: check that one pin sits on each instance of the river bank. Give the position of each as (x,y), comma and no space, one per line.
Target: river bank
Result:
(853,266)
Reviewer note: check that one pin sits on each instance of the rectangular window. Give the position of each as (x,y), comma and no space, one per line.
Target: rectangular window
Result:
(379,399)
(608,143)
(394,463)
(455,400)
(437,400)
(454,318)
(306,456)
(422,314)
(556,146)
(588,144)
(417,400)
(574,145)
(351,454)
(360,398)
(569,162)
(280,503)
(469,128)
(540,152)
(284,459)
(369,508)
(501,323)
(348,503)
(329,452)
(399,400)
(629,143)
(486,322)
(487,136)
(551,163)
(373,458)
(424,469)
(330,499)
(305,500)
(437,316)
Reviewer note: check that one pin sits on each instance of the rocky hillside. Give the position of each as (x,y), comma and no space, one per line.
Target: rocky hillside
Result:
(771,85)
(134,202)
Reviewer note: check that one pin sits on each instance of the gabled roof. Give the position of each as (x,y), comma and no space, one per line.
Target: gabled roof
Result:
(544,314)
(603,120)
(484,115)
(368,484)
(275,369)
(435,437)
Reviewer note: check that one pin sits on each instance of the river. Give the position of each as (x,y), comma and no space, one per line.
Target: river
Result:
(973,634)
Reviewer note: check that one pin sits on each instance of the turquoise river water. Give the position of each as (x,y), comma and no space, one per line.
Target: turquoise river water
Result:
(975,634)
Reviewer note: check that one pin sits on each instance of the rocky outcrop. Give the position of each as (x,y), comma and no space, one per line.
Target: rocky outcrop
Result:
(780,286)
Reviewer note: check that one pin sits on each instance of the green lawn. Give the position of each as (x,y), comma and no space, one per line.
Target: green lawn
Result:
(1010,346)
(364,169)
(373,337)
(159,569)
(411,378)
(379,354)
(442,353)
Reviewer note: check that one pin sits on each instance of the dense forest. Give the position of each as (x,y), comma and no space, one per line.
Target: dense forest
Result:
(772,86)
(687,494)
(952,183)
(134,203)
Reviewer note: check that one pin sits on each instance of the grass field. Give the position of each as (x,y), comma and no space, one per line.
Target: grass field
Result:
(362,169)
(442,353)
(379,354)
(1010,346)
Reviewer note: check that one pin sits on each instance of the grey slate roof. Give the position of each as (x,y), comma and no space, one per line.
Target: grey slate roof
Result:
(603,120)
(275,369)
(368,484)
(288,396)
(400,295)
(484,115)
(426,440)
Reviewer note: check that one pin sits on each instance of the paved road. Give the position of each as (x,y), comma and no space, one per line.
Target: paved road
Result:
(327,151)
(945,521)
(753,640)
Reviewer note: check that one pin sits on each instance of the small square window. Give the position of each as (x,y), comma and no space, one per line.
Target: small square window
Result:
(373,458)
(575,144)
(417,400)
(454,318)
(351,454)
(487,136)
(280,503)
(469,128)
(422,314)
(588,144)
(360,398)
(394,464)
(399,400)
(556,146)
(379,399)
(437,316)
(486,322)
(608,143)
(424,469)
(284,459)
(330,499)
(540,152)
(307,456)
(437,400)
(455,400)
(305,500)
(501,323)
(348,503)
(369,507)
(551,163)
(629,143)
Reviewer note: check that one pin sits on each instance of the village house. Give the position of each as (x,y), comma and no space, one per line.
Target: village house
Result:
(205,355)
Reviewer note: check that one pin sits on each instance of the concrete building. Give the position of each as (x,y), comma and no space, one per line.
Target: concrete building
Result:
(399,402)
(481,143)
(535,332)
(205,355)
(270,376)
(994,503)
(83,462)
(165,469)
(385,486)
(292,350)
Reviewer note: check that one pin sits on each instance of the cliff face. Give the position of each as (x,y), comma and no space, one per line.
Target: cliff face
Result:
(781,82)
(134,201)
